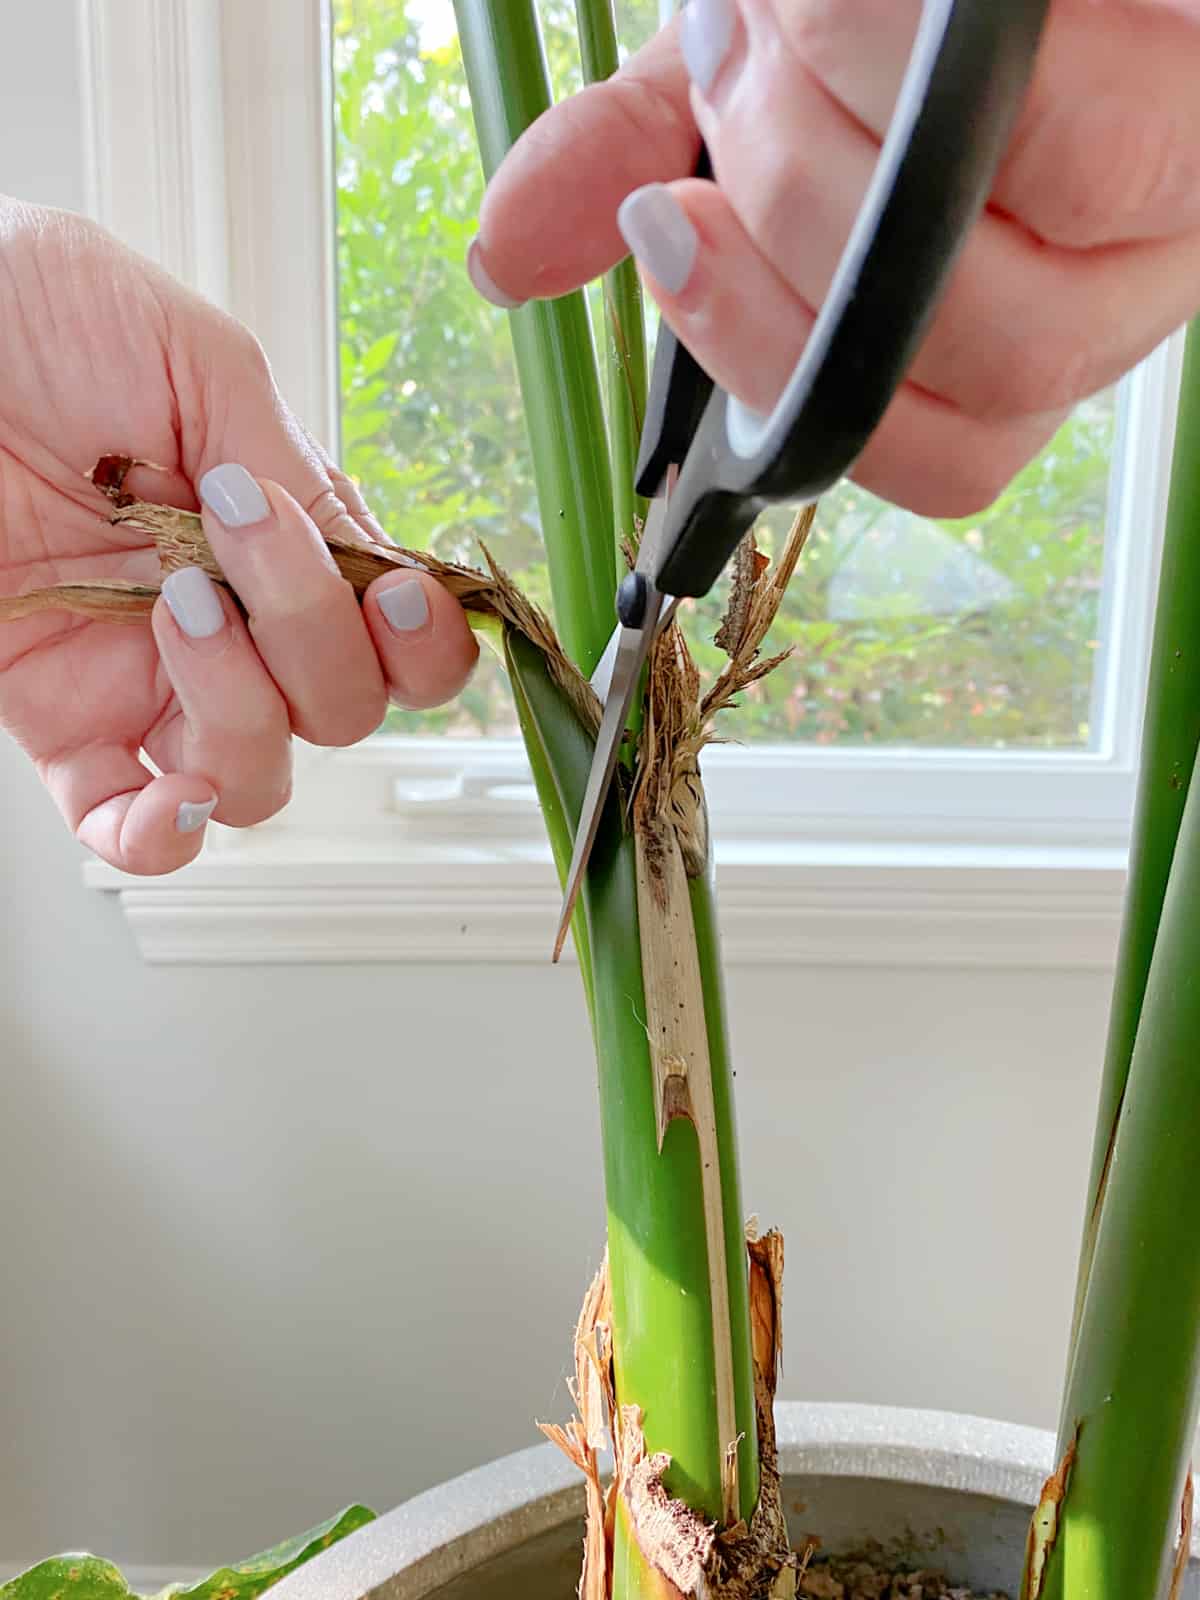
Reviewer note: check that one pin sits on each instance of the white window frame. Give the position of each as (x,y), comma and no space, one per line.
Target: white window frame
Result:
(209,148)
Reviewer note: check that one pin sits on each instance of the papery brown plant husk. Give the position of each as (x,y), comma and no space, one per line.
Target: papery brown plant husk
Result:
(689,1555)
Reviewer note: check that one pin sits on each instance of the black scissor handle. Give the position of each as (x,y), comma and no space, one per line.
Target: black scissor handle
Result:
(966,78)
(679,391)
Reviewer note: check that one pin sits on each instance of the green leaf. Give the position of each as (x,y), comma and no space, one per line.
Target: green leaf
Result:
(362,397)
(358,425)
(87,1577)
(377,355)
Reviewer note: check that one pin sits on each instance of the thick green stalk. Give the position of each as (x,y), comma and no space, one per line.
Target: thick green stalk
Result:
(1134,1382)
(626,368)
(668,1358)
(598,52)
(625,353)
(556,357)
(1169,744)
(657,1255)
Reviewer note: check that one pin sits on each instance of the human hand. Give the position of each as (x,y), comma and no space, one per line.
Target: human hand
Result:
(1087,257)
(101,352)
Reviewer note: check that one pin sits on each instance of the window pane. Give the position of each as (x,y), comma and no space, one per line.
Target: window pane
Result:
(979,633)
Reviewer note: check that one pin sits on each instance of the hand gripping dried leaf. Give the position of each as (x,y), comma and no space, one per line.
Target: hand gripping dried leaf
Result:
(180,540)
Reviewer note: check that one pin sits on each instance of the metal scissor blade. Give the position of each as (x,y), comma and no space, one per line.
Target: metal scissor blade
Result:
(633,647)
(601,679)
(647,562)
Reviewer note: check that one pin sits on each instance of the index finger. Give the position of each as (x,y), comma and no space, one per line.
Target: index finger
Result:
(549,218)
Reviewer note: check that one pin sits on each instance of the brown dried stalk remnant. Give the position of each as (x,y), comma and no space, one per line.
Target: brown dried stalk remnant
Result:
(743,634)
(687,1554)
(679,723)
(1043,1529)
(674,1540)
(748,566)
(668,787)
(181,542)
(109,475)
(1184,1548)
(757,1563)
(586,1434)
(100,600)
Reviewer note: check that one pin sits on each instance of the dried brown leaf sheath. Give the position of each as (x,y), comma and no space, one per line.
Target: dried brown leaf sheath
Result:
(688,1556)
(585,1435)
(1184,1548)
(1043,1530)
(110,601)
(679,723)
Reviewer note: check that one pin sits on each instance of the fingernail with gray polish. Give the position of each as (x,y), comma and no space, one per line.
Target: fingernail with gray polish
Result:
(483,283)
(193,814)
(231,494)
(656,228)
(405,606)
(194,602)
(705,36)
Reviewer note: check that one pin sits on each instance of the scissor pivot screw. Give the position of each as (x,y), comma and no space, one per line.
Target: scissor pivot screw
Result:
(632,599)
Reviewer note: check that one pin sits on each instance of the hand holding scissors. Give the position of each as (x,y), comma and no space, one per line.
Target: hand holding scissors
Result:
(709,462)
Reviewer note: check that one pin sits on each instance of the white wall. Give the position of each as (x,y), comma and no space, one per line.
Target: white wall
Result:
(41,121)
(271,1240)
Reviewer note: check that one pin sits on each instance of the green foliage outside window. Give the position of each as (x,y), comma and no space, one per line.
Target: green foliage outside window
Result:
(906,632)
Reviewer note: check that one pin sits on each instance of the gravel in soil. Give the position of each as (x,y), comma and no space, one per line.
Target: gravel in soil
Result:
(862,1580)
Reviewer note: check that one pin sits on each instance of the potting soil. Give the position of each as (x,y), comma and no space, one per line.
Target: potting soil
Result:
(848,1579)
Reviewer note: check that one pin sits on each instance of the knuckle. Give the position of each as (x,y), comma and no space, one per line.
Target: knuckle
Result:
(1157,168)
(971,486)
(774,182)
(647,110)
(780,189)
(328,513)
(249,808)
(141,861)
(973,469)
(251,356)
(261,724)
(427,696)
(975,479)
(1045,374)
(1122,167)
(341,726)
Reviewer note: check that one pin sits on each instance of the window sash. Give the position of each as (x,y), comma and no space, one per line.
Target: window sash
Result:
(210,148)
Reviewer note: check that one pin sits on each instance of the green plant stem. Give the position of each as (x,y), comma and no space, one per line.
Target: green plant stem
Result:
(555,352)
(1169,745)
(625,325)
(657,1255)
(1133,1390)
(598,52)
(665,1351)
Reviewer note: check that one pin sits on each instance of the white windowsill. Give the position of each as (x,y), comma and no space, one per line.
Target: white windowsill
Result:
(279,896)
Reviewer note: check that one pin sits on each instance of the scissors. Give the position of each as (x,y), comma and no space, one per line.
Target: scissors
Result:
(709,464)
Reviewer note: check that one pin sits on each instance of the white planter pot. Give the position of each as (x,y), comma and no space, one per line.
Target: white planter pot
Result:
(932,1488)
